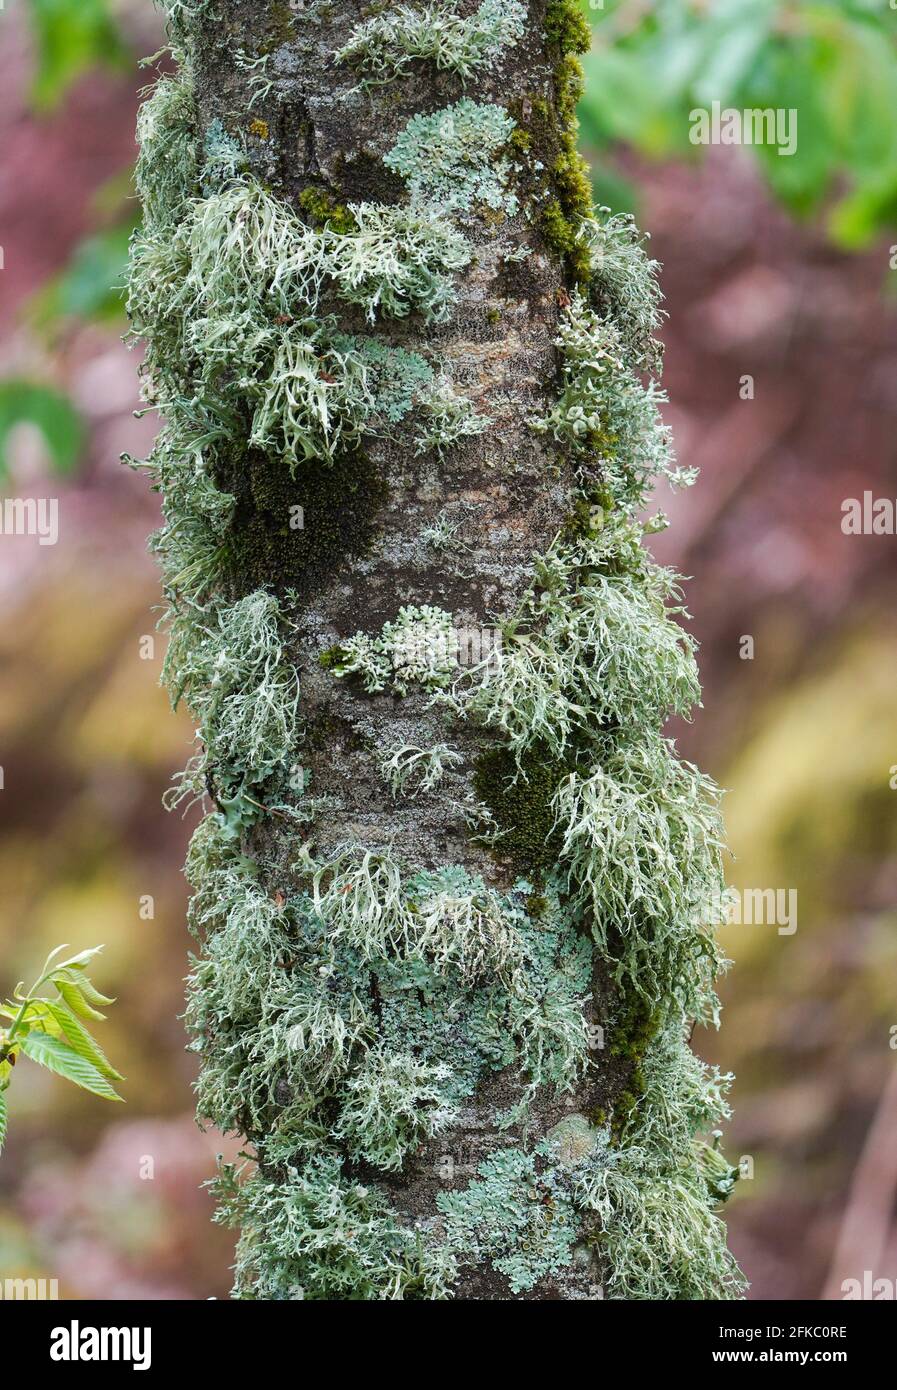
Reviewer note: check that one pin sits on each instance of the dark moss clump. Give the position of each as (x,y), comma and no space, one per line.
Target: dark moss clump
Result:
(280,24)
(321,209)
(296,533)
(520,799)
(634,1027)
(366,179)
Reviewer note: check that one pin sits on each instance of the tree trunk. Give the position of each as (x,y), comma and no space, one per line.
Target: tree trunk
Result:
(455,892)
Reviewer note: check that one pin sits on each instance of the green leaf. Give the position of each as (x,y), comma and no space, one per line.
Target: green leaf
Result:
(27,402)
(85,1045)
(58,1057)
(74,997)
(91,993)
(76,977)
(77,962)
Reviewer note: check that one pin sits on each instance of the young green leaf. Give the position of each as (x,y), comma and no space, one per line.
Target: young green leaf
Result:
(80,961)
(57,1056)
(74,997)
(86,987)
(82,1042)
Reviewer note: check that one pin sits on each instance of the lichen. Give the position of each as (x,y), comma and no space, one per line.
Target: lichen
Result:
(641,848)
(452,159)
(518,1215)
(383,47)
(228,664)
(606,416)
(314,1234)
(417,649)
(593,645)
(349,1005)
(409,770)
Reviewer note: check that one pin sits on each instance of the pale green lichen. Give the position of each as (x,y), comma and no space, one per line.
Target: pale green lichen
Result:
(641,845)
(166,162)
(606,416)
(624,284)
(452,159)
(593,644)
(409,770)
(415,650)
(446,419)
(656,1197)
(391,1105)
(314,1234)
(229,666)
(442,533)
(518,1215)
(383,47)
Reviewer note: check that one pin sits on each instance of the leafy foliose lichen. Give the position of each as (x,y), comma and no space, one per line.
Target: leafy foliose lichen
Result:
(518,1215)
(452,159)
(383,47)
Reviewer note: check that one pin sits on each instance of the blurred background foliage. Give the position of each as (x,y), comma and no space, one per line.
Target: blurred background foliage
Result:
(777,270)
(832,61)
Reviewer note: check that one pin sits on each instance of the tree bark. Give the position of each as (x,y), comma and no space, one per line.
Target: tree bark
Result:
(464,1163)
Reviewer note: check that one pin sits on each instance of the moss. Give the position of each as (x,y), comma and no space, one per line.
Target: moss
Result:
(331,656)
(546,134)
(338,507)
(634,1027)
(322,210)
(519,793)
(561,233)
(567,27)
(280,26)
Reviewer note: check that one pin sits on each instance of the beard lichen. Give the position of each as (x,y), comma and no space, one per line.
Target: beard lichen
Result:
(350,1005)
(383,47)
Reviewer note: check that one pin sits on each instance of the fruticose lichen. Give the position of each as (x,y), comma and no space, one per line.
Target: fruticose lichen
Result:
(349,1002)
(383,47)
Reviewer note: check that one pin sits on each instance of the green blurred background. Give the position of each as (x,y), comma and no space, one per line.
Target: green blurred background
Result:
(778,269)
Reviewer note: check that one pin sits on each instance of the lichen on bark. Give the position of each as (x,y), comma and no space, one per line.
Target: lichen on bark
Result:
(450,887)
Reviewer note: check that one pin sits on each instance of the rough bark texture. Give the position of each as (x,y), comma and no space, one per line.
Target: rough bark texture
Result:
(454,527)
